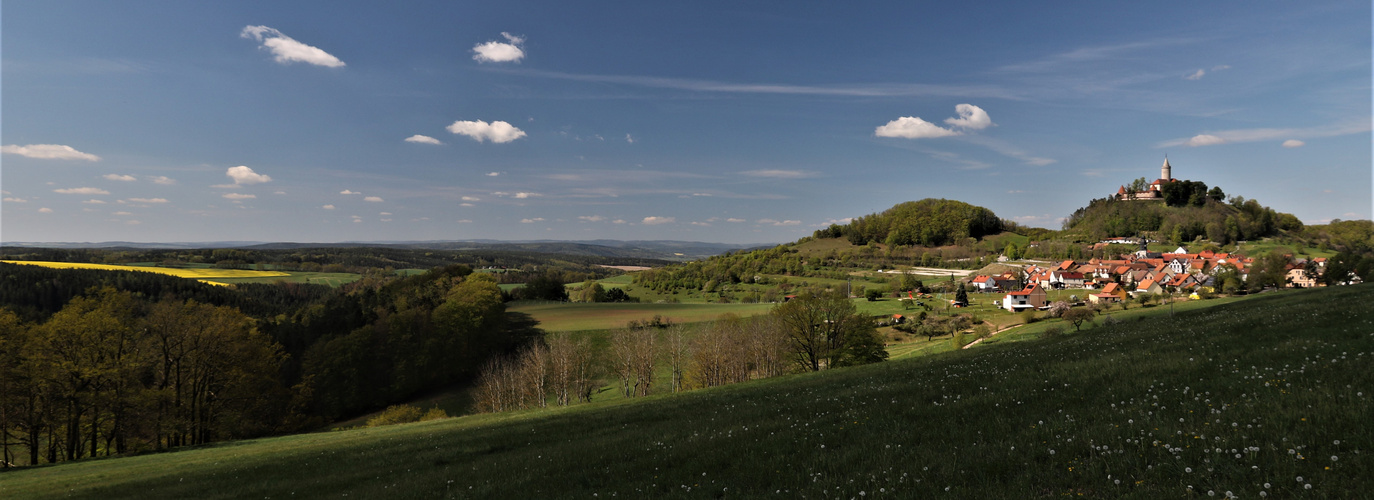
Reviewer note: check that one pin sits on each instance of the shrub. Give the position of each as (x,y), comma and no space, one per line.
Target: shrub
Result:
(1029,316)
(958,339)
(982,331)
(396,414)
(1053,331)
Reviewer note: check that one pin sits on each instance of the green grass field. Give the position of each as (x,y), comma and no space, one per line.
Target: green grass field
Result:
(332,279)
(572,316)
(1268,394)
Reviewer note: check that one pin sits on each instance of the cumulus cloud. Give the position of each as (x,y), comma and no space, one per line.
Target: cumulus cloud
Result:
(148,200)
(328,207)
(970,117)
(493,174)
(165,181)
(494,51)
(118,177)
(471,198)
(12,199)
(244,176)
(630,139)
(651,221)
(374,199)
(1293,143)
(911,127)
(618,221)
(81,190)
(732,219)
(349,191)
(591,218)
(480,131)
(48,152)
(779,174)
(1204,140)
(286,50)
(779,222)
(1196,75)
(45,210)
(238,196)
(532,221)
(521,196)
(423,139)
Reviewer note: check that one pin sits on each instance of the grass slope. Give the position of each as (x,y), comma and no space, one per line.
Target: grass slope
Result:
(577,316)
(1272,394)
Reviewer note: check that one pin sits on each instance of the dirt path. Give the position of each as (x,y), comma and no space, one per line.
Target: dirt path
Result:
(930,271)
(975,342)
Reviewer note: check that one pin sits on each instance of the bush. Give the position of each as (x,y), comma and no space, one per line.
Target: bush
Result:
(1029,316)
(957,340)
(982,331)
(396,414)
(1053,331)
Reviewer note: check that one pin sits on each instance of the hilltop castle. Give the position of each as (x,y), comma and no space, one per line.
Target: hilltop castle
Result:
(1155,190)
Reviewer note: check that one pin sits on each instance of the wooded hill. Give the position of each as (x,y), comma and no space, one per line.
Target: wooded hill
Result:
(1220,222)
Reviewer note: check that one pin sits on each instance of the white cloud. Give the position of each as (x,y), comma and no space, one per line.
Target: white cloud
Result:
(658,220)
(48,152)
(696,223)
(910,127)
(287,50)
(780,222)
(521,196)
(374,199)
(244,176)
(45,210)
(148,200)
(82,190)
(471,198)
(118,177)
(1204,140)
(480,131)
(465,221)
(466,205)
(732,219)
(1196,75)
(591,218)
(970,117)
(279,192)
(12,199)
(238,196)
(347,191)
(779,174)
(423,139)
(618,221)
(122,213)
(532,221)
(494,51)
(1293,143)
(166,181)
(493,174)
(328,207)
(384,213)
(630,139)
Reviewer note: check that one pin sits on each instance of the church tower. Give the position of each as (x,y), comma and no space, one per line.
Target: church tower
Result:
(1166,171)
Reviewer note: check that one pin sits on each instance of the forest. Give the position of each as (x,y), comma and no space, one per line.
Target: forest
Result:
(1208,217)
(96,363)
(929,222)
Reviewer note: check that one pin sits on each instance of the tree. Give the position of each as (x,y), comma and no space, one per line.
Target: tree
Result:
(873,294)
(546,286)
(961,295)
(1216,194)
(819,326)
(1078,316)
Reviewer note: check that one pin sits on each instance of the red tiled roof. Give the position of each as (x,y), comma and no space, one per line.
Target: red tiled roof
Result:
(1026,291)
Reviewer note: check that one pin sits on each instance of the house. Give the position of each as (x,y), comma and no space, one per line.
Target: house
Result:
(1297,276)
(1066,279)
(1110,293)
(984,283)
(1032,297)
(1005,282)
(1147,286)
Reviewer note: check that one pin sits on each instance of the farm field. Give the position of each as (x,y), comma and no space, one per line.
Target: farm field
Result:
(192,273)
(331,279)
(1258,395)
(574,316)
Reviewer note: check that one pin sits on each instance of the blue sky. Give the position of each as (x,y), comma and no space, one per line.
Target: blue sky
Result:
(708,121)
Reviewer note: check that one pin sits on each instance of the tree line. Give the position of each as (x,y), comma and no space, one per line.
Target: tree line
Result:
(154,364)
(815,331)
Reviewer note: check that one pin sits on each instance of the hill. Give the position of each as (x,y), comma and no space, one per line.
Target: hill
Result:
(1209,218)
(1263,395)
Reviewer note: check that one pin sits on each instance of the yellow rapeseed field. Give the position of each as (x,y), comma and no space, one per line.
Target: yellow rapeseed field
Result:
(198,274)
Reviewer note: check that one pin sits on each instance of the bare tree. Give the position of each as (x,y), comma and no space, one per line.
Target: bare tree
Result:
(678,354)
(645,356)
(622,361)
(533,366)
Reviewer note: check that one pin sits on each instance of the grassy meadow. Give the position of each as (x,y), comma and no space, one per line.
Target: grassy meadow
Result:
(1269,396)
(574,316)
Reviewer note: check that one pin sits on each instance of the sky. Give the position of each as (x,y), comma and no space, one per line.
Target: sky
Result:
(733,122)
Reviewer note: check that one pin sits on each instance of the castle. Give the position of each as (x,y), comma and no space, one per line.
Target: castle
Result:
(1155,190)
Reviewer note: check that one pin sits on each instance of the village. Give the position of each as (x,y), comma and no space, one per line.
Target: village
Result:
(1108,281)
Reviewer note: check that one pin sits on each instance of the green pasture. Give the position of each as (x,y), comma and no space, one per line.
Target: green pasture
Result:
(332,279)
(1266,394)
(576,316)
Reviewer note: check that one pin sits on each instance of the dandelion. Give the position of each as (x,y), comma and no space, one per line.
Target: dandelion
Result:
(1299,479)
(1211,493)
(1336,442)
(1188,470)
(1307,486)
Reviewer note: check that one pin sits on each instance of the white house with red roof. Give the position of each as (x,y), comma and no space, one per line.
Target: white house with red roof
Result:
(1031,297)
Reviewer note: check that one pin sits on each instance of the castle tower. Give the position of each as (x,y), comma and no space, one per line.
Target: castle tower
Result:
(1166,171)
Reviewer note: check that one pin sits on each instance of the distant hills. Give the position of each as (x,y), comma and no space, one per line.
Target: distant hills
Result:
(647,249)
